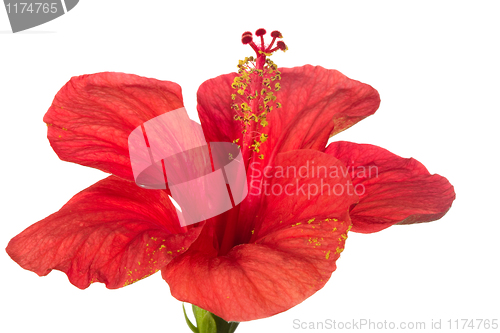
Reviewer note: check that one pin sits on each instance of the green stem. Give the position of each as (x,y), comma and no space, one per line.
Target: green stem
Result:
(207,322)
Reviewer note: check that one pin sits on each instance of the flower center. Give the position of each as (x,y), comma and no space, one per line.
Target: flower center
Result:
(257,80)
(252,100)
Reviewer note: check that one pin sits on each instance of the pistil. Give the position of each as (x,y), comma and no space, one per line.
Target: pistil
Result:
(253,99)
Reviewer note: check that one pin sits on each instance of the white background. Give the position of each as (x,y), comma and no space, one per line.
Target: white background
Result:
(435,65)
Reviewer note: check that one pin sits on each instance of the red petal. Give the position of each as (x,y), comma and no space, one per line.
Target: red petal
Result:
(214,109)
(112,232)
(289,255)
(396,190)
(92,116)
(317,103)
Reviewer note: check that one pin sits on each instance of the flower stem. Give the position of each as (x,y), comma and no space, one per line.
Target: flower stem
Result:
(208,322)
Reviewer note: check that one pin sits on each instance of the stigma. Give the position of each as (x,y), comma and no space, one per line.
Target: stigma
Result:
(253,97)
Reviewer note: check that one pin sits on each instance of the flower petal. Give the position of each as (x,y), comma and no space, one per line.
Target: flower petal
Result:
(289,255)
(112,232)
(92,116)
(392,189)
(317,104)
(214,109)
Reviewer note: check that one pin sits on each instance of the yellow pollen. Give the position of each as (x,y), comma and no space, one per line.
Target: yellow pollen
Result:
(253,98)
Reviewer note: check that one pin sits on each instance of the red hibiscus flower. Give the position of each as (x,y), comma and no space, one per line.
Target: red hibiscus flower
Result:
(267,254)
